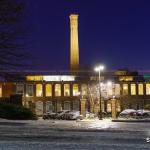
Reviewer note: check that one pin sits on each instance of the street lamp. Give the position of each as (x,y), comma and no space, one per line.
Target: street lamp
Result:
(98,69)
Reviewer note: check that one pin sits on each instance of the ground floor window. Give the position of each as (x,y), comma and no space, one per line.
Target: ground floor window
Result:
(39,108)
(49,106)
(76,105)
(67,105)
(59,106)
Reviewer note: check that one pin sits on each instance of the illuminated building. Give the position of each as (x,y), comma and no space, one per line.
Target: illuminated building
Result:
(55,91)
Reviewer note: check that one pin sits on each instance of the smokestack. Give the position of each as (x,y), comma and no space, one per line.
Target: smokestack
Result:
(74,44)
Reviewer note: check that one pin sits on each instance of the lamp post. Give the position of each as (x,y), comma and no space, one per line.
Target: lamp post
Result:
(98,69)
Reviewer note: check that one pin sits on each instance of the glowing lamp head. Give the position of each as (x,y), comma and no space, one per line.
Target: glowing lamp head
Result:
(99,68)
(109,83)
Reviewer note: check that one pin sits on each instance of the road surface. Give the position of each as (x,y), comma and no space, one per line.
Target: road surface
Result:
(66,135)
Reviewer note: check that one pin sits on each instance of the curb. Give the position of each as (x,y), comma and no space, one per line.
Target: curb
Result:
(132,121)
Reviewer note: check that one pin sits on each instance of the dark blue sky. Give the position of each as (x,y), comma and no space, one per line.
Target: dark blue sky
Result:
(115,32)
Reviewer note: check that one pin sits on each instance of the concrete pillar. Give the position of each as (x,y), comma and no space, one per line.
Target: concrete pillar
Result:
(114,111)
(91,107)
(44,107)
(82,107)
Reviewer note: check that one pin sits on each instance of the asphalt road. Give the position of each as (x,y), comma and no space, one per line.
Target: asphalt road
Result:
(66,135)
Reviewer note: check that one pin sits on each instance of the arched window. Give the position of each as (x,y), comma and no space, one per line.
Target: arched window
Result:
(29,90)
(133,89)
(48,90)
(57,89)
(66,90)
(39,90)
(125,89)
(148,89)
(140,89)
(75,90)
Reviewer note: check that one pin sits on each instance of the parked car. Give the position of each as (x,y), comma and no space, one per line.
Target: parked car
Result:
(73,115)
(46,115)
(61,114)
(51,115)
(64,115)
(143,113)
(128,113)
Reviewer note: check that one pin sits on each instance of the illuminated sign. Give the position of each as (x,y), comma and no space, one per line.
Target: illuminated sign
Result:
(51,78)
(58,78)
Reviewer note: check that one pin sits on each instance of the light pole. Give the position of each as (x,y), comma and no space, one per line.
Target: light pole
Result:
(98,69)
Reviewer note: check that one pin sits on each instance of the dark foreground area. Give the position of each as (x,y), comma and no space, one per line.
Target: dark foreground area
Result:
(62,135)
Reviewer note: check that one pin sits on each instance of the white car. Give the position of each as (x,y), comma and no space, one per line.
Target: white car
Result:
(61,114)
(143,113)
(128,113)
(73,115)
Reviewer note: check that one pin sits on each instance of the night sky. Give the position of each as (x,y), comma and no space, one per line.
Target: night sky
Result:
(113,32)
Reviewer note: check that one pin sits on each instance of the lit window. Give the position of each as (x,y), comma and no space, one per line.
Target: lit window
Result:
(34,78)
(75,90)
(39,90)
(57,90)
(140,89)
(148,89)
(66,90)
(126,78)
(29,90)
(48,90)
(133,89)
(117,89)
(20,89)
(84,89)
(125,89)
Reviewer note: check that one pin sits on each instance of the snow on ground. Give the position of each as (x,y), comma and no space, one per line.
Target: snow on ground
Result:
(63,135)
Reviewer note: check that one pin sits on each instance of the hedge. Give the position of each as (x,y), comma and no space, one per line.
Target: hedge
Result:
(15,112)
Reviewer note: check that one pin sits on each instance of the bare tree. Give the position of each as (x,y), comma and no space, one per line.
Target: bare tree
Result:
(12,51)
